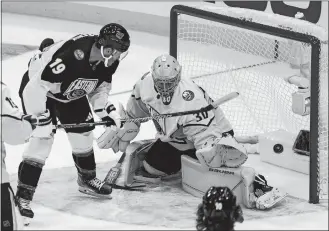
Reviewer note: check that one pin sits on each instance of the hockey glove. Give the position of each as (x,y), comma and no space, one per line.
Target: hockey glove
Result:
(41,124)
(221,152)
(118,138)
(112,116)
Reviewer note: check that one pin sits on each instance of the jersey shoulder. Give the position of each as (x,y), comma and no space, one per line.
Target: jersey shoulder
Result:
(62,58)
(77,47)
(190,91)
(190,96)
(5,91)
(144,87)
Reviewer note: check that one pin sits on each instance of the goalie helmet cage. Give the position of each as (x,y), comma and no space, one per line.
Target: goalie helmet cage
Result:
(207,28)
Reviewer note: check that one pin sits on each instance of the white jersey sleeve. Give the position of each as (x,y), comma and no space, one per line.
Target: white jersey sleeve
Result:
(136,108)
(99,99)
(40,71)
(15,130)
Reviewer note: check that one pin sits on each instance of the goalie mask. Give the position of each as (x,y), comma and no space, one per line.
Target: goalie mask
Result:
(113,41)
(219,204)
(166,74)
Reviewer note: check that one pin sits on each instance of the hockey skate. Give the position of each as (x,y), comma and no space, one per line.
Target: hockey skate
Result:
(25,210)
(94,187)
(266,196)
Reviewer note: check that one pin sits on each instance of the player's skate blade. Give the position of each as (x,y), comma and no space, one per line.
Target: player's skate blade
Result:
(94,187)
(92,193)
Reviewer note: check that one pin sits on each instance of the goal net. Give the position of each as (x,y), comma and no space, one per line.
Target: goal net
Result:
(252,52)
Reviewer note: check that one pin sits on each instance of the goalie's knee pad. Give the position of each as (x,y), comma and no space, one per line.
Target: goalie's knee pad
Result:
(135,155)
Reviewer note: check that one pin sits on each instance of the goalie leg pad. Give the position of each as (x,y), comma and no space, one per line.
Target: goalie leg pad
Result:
(197,180)
(222,152)
(247,190)
(135,154)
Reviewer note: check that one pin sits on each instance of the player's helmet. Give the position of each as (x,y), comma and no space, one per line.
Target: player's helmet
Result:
(218,210)
(166,74)
(116,37)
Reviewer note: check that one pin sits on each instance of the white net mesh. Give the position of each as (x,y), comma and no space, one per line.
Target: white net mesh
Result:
(223,58)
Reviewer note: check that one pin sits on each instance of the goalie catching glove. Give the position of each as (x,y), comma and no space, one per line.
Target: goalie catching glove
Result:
(118,137)
(222,152)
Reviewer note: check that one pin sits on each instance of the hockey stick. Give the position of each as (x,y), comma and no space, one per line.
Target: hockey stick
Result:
(114,174)
(211,106)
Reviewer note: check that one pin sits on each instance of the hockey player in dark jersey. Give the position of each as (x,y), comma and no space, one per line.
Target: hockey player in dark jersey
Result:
(64,78)
(218,210)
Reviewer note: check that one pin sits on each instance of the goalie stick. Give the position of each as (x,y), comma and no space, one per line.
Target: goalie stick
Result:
(211,106)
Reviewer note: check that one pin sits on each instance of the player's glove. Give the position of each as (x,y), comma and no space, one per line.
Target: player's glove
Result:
(112,116)
(118,138)
(41,124)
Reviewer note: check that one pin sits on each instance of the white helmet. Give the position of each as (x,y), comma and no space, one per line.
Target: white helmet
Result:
(166,74)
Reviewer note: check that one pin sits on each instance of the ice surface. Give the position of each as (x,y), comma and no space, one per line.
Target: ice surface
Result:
(57,203)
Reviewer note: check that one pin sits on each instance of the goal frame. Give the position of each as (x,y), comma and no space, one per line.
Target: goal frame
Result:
(314,173)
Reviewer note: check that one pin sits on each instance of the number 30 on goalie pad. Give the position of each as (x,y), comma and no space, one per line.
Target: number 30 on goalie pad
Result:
(134,156)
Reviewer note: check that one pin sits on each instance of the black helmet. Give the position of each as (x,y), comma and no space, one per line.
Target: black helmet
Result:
(115,36)
(219,203)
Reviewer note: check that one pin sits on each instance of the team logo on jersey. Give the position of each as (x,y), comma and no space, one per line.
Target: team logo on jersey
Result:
(188,95)
(79,55)
(80,87)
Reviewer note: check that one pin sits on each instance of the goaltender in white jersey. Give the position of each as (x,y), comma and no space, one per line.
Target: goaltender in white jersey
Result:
(183,132)
(199,146)
(16,128)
